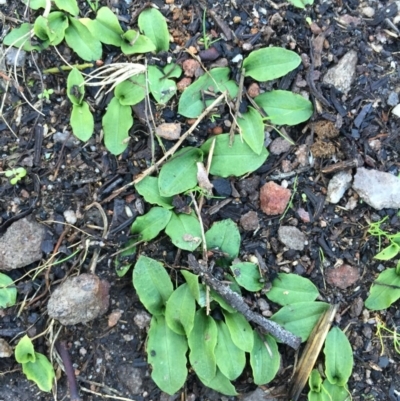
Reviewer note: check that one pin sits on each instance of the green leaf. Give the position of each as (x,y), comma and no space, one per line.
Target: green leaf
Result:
(172,70)
(121,264)
(389,252)
(264,359)
(192,281)
(24,351)
(302,4)
(240,330)
(235,160)
(163,89)
(179,174)
(117,121)
(252,130)
(231,360)
(75,88)
(180,310)
(152,284)
(300,318)
(57,24)
(191,102)
(338,357)
(284,107)
(247,275)
(20,37)
(150,224)
(40,28)
(270,63)
(220,383)
(40,371)
(335,392)
(184,231)
(79,38)
(106,27)
(166,352)
(70,6)
(202,341)
(134,43)
(35,4)
(8,292)
(291,288)
(221,302)
(224,235)
(385,290)
(148,188)
(82,121)
(131,92)
(154,26)
(315,381)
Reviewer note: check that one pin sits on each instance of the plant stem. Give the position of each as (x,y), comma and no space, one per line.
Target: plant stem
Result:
(55,70)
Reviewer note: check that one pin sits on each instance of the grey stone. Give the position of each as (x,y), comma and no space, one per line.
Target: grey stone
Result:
(380,190)
(131,378)
(292,237)
(79,299)
(15,56)
(279,145)
(21,244)
(338,185)
(342,75)
(393,99)
(258,395)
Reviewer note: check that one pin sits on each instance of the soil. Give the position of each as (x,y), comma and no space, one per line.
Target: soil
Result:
(109,360)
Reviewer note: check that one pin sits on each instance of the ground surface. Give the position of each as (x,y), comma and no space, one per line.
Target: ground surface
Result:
(110,361)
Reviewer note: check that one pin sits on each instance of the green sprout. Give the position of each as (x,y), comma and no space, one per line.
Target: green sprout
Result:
(46,94)
(15,175)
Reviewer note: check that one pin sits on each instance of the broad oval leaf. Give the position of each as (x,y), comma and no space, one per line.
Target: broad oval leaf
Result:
(202,341)
(162,88)
(235,160)
(133,42)
(21,37)
(192,281)
(247,275)
(220,383)
(224,236)
(264,359)
(24,351)
(389,252)
(40,28)
(152,284)
(150,224)
(192,103)
(148,188)
(82,121)
(122,261)
(291,288)
(302,4)
(240,330)
(70,6)
(8,292)
(231,360)
(154,26)
(385,290)
(338,357)
(40,371)
(35,4)
(270,63)
(315,381)
(166,352)
(75,88)
(300,318)
(57,23)
(335,392)
(179,174)
(252,129)
(131,92)
(284,107)
(184,231)
(117,122)
(84,44)
(180,310)
(106,27)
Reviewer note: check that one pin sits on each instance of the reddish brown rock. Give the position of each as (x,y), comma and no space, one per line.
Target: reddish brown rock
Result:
(183,84)
(253,90)
(249,221)
(190,67)
(274,198)
(342,277)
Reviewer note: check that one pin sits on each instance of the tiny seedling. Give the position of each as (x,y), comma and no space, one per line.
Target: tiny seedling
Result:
(15,175)
(205,40)
(46,94)
(393,335)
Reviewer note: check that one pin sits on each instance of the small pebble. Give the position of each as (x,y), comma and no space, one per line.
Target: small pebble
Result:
(70,216)
(253,90)
(393,99)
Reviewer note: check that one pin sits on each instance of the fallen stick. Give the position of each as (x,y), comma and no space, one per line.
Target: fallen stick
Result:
(236,302)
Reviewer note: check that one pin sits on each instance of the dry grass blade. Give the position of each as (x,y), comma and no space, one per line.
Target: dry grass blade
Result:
(311,352)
